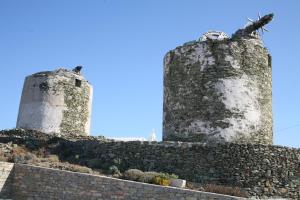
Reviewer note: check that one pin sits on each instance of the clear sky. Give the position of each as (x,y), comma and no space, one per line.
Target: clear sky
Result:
(121,45)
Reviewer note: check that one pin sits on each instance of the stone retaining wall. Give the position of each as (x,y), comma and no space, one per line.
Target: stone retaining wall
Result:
(5,179)
(31,182)
(263,170)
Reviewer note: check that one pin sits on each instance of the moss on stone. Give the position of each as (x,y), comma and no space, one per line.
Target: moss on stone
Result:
(190,92)
(76,115)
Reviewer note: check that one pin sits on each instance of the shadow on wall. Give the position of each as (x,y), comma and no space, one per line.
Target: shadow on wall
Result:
(6,174)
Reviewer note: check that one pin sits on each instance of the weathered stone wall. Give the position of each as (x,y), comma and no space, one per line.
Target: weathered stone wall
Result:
(263,170)
(5,179)
(42,183)
(218,90)
(58,101)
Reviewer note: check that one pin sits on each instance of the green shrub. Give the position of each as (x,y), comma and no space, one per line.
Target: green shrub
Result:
(133,174)
(167,176)
(78,168)
(114,171)
(161,180)
(148,177)
(174,176)
(164,179)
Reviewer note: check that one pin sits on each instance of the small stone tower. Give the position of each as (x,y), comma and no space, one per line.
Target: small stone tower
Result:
(219,89)
(57,101)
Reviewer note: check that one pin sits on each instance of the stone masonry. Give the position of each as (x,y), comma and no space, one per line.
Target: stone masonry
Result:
(218,90)
(41,183)
(56,102)
(262,170)
(5,179)
(217,111)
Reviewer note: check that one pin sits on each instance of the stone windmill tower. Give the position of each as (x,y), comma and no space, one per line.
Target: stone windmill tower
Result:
(57,101)
(219,88)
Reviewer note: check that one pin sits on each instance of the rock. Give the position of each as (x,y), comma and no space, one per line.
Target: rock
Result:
(267,161)
(267,183)
(283,190)
(177,183)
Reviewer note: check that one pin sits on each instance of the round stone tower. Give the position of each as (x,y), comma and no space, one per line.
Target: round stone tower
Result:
(57,101)
(219,89)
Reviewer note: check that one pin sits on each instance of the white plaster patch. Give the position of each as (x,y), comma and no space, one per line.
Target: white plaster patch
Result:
(40,110)
(240,96)
(233,62)
(40,116)
(90,103)
(200,53)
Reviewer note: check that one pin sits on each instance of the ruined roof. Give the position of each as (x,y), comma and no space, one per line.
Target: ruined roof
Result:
(60,72)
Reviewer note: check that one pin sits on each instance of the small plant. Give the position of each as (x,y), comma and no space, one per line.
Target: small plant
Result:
(113,170)
(174,176)
(164,179)
(148,177)
(80,169)
(161,180)
(133,174)
(168,176)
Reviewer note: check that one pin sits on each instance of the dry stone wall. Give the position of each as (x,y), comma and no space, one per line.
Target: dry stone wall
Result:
(263,170)
(31,182)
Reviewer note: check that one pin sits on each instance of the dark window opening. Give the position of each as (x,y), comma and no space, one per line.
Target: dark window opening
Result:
(44,86)
(78,83)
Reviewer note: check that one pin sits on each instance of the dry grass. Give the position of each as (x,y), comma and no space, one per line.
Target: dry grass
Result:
(3,158)
(50,158)
(194,186)
(41,157)
(220,189)
(19,150)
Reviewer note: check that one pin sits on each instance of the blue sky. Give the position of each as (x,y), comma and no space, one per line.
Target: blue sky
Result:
(121,45)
